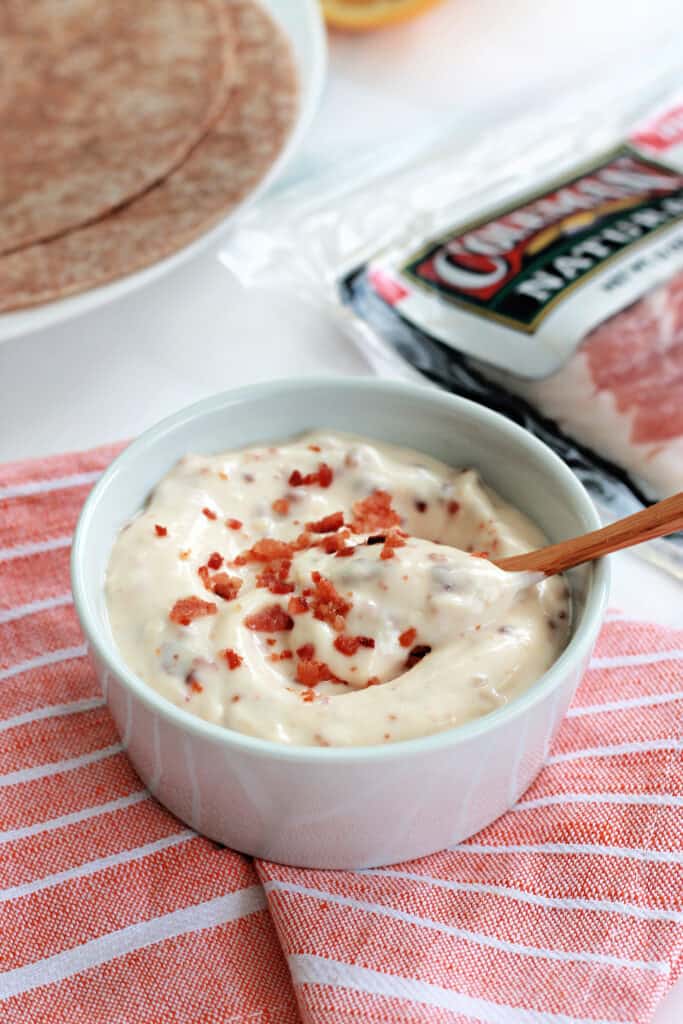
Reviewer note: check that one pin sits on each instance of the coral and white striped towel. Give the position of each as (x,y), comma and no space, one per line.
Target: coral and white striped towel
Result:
(569,908)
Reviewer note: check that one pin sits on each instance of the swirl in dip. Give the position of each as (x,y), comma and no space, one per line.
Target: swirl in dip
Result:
(331,591)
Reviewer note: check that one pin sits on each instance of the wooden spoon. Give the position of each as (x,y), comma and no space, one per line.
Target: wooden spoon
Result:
(656,521)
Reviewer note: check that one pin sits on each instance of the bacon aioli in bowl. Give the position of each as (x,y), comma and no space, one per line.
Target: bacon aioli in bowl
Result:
(331,591)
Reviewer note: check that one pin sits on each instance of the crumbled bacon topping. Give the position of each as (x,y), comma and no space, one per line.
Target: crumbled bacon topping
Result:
(305,652)
(233,524)
(327,603)
(407,637)
(266,550)
(453,508)
(215,561)
(187,609)
(233,659)
(323,477)
(307,696)
(297,605)
(272,619)
(225,586)
(280,656)
(209,513)
(349,645)
(328,524)
(274,575)
(392,541)
(221,584)
(310,673)
(373,681)
(314,447)
(193,683)
(345,552)
(479,554)
(281,506)
(374,513)
(160,531)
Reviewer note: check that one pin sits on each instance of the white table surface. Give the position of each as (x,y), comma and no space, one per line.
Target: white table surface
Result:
(466,66)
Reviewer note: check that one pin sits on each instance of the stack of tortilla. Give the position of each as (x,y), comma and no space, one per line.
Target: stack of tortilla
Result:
(128,130)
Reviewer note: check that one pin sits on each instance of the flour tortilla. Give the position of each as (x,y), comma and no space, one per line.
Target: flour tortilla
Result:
(99,101)
(222,169)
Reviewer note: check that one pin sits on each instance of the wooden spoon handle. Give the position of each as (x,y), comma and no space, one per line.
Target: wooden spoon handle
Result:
(656,521)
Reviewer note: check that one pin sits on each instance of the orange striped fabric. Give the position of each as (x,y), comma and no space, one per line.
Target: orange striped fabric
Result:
(567,909)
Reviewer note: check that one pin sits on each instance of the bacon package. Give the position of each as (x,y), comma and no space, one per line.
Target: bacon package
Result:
(539,273)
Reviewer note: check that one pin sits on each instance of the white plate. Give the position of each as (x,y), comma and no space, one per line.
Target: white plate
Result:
(303,24)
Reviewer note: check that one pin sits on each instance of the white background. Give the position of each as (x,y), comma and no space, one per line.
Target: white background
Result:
(465,67)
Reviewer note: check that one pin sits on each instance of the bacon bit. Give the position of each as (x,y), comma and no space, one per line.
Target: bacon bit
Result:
(215,561)
(334,542)
(373,681)
(310,673)
(479,554)
(223,476)
(274,577)
(348,645)
(328,605)
(308,696)
(281,506)
(233,659)
(374,513)
(281,656)
(221,584)
(305,652)
(160,531)
(453,508)
(273,619)
(416,655)
(233,524)
(271,641)
(393,541)
(194,684)
(314,448)
(208,513)
(227,587)
(344,552)
(328,524)
(184,555)
(235,697)
(297,606)
(421,506)
(187,609)
(323,477)
(407,637)
(266,550)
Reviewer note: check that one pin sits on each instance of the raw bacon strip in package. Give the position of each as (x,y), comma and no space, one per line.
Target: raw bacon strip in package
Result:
(539,273)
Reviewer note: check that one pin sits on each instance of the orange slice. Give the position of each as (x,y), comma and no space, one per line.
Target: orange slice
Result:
(357,15)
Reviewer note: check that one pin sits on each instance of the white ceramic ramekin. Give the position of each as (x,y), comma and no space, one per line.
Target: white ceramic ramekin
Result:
(325,807)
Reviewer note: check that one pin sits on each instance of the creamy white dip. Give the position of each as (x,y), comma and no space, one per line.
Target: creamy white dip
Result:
(377,629)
